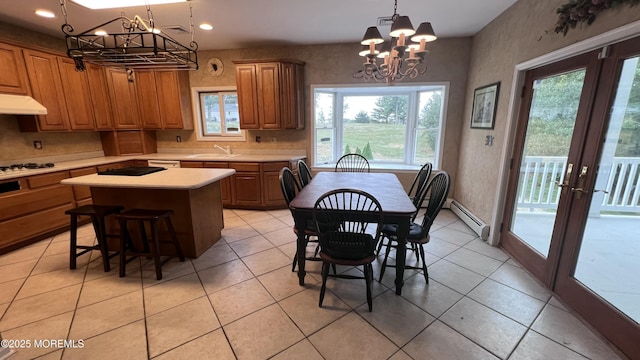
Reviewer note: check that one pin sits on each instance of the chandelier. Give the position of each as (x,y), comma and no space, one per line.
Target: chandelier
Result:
(137,44)
(401,57)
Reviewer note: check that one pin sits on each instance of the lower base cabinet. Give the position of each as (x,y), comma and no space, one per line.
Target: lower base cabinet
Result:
(254,185)
(35,210)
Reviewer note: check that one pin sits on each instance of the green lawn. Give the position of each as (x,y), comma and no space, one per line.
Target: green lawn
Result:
(386,141)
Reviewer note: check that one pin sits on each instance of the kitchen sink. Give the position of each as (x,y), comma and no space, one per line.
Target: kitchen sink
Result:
(213,156)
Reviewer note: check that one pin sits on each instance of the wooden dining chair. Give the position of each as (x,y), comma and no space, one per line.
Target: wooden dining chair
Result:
(290,188)
(304,174)
(342,218)
(437,189)
(352,163)
(415,194)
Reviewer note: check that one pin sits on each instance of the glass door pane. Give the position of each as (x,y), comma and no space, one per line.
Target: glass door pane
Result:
(552,118)
(609,257)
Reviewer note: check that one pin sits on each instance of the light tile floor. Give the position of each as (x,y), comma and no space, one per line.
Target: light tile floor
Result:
(241,300)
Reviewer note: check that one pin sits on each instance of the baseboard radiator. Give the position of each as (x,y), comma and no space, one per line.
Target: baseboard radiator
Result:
(477,225)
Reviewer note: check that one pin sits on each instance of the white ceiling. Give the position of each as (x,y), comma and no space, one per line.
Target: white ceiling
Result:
(248,23)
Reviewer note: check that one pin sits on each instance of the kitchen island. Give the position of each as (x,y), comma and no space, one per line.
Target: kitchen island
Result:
(193,194)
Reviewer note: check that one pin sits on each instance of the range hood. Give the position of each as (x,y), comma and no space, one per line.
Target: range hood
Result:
(20,105)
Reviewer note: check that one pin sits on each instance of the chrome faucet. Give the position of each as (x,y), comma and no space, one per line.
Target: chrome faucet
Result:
(227,149)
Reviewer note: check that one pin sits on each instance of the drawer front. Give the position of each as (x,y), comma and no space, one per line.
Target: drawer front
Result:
(34,201)
(216,165)
(191,164)
(255,167)
(83,171)
(274,166)
(28,226)
(118,165)
(82,192)
(46,179)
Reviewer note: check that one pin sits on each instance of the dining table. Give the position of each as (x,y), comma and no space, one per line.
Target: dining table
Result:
(397,208)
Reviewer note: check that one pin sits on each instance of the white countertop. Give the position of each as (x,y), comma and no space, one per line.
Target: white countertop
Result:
(172,178)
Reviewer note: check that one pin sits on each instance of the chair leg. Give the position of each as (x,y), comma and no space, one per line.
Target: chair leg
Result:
(295,261)
(124,242)
(368,276)
(155,249)
(101,234)
(384,262)
(174,237)
(73,241)
(325,274)
(380,244)
(424,264)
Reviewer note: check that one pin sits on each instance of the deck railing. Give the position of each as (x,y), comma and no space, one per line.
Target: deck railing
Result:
(541,174)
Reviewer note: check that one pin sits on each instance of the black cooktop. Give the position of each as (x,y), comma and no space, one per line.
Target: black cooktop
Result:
(132,171)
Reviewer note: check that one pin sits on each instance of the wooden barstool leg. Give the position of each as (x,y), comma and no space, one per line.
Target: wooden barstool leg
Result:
(174,237)
(143,236)
(124,241)
(73,241)
(101,236)
(155,249)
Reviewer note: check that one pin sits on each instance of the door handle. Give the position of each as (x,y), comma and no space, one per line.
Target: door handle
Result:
(567,176)
(579,189)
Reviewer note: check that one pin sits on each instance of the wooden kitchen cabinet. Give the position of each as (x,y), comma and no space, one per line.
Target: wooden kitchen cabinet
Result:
(270,94)
(174,98)
(46,88)
(13,77)
(164,99)
(148,100)
(99,93)
(75,86)
(225,184)
(246,184)
(82,194)
(124,103)
(271,189)
(35,211)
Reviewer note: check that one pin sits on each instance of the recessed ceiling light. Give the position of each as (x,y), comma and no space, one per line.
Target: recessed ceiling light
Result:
(101,33)
(113,4)
(45,13)
(206,26)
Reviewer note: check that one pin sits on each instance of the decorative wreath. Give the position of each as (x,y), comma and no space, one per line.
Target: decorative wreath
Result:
(580,11)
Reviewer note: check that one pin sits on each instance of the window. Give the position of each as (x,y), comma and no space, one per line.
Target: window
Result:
(390,126)
(217,116)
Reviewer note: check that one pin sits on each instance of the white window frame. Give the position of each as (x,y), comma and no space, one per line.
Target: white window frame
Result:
(413,110)
(199,120)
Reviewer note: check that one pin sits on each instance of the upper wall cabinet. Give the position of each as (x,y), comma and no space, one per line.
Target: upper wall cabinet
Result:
(124,104)
(164,99)
(75,85)
(102,111)
(46,88)
(13,77)
(270,94)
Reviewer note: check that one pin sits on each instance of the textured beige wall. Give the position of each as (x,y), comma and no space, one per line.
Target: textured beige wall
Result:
(515,36)
(15,145)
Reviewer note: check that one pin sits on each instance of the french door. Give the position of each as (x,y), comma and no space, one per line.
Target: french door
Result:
(573,200)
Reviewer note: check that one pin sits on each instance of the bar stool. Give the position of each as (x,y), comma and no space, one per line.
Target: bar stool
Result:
(151,245)
(97,214)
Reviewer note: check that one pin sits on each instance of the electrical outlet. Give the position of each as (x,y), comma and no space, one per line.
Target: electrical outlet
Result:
(37,144)
(258,139)
(178,139)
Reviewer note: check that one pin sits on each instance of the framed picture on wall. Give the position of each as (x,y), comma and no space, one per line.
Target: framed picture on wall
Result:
(485,103)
